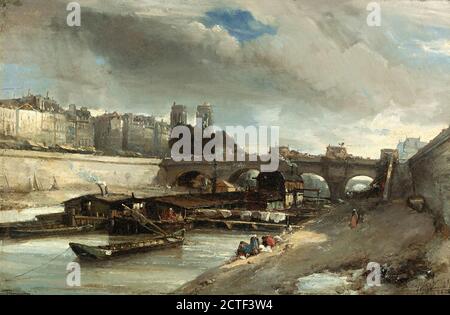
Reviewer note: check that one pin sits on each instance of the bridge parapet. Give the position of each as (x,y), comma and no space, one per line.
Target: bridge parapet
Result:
(337,172)
(441,139)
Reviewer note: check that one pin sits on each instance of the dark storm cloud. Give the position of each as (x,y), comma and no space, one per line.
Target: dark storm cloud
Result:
(159,55)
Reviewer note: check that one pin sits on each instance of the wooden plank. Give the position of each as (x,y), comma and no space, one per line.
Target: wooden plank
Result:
(83,217)
(142,220)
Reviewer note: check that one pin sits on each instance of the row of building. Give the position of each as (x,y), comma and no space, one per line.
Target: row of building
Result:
(41,120)
(143,134)
(408,148)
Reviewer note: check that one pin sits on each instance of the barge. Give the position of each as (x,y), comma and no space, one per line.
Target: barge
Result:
(104,252)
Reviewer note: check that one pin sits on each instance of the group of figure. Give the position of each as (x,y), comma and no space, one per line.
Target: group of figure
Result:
(255,246)
(268,242)
(170,215)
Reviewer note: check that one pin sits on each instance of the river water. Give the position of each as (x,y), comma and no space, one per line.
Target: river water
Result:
(7,216)
(155,272)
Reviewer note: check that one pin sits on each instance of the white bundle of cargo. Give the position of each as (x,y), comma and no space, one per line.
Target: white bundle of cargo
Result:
(206,212)
(277,217)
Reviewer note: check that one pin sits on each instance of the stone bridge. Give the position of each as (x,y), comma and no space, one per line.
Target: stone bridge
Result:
(336,172)
(430,171)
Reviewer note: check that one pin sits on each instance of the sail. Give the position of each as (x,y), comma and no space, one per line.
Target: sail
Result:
(36,184)
(54,185)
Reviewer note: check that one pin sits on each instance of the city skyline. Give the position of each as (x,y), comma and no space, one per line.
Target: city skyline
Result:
(190,119)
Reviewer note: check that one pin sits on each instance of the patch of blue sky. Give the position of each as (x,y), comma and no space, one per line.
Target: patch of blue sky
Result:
(240,24)
(100,61)
(16,80)
(417,45)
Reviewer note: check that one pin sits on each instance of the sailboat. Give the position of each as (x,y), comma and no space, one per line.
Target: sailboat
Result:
(5,186)
(55,184)
(34,184)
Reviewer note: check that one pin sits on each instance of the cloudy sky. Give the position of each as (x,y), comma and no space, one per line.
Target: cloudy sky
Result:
(313,67)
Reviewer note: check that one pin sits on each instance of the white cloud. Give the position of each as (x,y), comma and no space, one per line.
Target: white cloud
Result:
(441,46)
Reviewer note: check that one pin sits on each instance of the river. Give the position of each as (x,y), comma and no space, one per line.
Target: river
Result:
(7,216)
(156,272)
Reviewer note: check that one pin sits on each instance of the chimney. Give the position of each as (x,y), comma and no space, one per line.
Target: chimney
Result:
(103,188)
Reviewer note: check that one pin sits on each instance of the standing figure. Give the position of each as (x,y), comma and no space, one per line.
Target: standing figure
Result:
(355,219)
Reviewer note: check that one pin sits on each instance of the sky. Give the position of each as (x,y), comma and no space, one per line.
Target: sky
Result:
(313,67)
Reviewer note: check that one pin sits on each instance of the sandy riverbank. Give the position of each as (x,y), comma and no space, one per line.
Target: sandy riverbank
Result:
(327,251)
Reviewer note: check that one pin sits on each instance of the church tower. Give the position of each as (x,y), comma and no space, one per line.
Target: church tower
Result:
(205,113)
(178,115)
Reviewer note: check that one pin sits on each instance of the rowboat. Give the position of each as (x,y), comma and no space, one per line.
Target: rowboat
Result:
(104,252)
(39,232)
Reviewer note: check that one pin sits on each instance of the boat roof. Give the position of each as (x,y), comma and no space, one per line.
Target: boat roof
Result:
(187,201)
(194,201)
(109,198)
(287,176)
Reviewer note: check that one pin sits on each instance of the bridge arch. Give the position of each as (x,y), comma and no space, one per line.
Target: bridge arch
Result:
(244,177)
(358,183)
(193,179)
(335,173)
(316,181)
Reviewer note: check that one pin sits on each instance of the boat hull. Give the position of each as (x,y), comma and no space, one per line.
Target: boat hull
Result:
(86,252)
(39,232)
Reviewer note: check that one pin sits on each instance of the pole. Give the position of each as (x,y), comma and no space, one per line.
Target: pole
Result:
(214,179)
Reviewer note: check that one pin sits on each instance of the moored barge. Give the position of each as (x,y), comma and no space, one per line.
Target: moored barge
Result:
(104,252)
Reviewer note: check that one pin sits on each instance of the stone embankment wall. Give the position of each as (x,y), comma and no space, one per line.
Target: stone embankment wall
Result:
(18,168)
(430,170)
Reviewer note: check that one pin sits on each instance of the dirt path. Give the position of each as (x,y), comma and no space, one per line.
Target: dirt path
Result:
(390,235)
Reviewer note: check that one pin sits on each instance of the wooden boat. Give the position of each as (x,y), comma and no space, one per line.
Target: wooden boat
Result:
(104,252)
(129,226)
(39,232)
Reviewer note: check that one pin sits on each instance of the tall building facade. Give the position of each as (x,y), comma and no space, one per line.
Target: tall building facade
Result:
(79,127)
(161,139)
(408,148)
(109,133)
(138,133)
(34,118)
(7,120)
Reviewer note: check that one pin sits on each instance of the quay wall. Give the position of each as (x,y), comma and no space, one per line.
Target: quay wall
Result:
(430,170)
(17,169)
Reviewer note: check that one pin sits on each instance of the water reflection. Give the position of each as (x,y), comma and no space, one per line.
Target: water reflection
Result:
(146,273)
